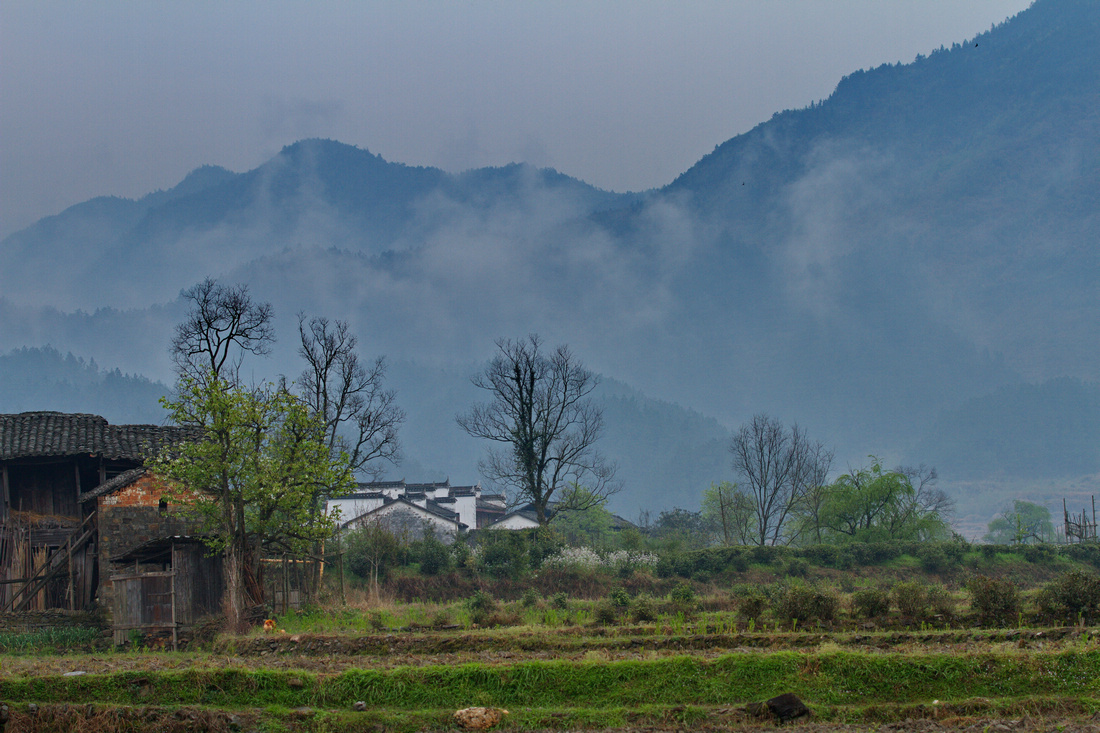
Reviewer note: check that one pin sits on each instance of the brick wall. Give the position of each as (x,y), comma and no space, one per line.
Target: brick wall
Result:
(130,517)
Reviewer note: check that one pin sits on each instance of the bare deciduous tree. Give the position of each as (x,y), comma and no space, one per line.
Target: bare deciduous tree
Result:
(928,499)
(776,465)
(361,416)
(541,411)
(732,513)
(222,325)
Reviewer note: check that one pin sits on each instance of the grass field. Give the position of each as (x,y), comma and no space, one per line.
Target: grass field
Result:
(665,655)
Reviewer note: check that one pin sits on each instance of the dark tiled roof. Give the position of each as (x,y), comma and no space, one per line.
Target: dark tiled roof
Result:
(440,511)
(430,508)
(360,495)
(379,485)
(118,482)
(39,434)
(528,514)
(159,549)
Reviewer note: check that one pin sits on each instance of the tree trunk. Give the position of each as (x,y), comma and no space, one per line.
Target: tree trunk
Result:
(234,601)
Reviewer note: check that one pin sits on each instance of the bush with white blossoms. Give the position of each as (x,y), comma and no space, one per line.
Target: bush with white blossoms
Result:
(585,558)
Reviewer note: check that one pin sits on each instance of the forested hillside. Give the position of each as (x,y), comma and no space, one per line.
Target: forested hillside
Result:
(875,266)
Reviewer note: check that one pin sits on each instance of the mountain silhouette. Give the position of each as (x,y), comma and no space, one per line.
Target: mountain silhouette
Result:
(865,266)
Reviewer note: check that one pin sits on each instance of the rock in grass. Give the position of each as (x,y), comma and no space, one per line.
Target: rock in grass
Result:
(359,706)
(479,718)
(787,707)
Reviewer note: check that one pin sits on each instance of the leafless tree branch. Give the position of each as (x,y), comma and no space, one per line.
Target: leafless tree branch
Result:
(541,412)
(361,416)
(222,325)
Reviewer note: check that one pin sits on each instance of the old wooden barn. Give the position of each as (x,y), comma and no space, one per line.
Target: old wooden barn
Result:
(51,536)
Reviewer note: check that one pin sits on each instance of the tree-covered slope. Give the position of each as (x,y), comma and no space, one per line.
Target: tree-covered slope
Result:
(862,266)
(34,379)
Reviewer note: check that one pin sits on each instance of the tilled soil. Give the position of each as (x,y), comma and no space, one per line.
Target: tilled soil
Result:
(91,718)
(332,654)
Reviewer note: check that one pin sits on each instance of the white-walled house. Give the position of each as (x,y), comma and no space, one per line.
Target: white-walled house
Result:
(523,519)
(469,506)
(526,517)
(403,517)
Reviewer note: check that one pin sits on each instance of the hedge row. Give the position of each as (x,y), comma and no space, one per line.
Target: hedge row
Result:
(933,556)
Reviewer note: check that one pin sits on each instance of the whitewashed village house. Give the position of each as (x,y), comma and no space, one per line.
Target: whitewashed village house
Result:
(414,508)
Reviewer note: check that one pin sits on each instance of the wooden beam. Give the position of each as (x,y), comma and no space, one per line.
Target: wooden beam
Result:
(5,499)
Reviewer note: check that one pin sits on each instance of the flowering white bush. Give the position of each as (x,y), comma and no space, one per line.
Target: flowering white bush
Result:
(585,558)
(578,558)
(632,559)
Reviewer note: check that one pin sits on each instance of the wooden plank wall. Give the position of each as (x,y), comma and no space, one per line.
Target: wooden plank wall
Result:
(199,582)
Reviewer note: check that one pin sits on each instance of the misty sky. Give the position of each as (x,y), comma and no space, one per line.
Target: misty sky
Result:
(124,98)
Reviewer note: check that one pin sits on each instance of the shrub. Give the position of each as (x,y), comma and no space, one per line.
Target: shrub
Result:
(620,598)
(560,601)
(482,606)
(605,613)
(504,559)
(871,602)
(997,602)
(797,568)
(530,598)
(752,603)
(911,599)
(933,559)
(940,601)
(804,602)
(826,555)
(1041,553)
(622,562)
(938,557)
(643,609)
(683,593)
(1075,595)
(434,556)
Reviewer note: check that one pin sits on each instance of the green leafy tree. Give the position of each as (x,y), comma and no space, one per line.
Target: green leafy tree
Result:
(249,478)
(590,527)
(1025,522)
(872,504)
(681,529)
(372,549)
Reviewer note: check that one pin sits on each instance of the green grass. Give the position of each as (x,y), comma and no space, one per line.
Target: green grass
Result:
(835,678)
(53,639)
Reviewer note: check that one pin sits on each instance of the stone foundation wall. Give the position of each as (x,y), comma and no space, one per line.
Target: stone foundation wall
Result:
(30,621)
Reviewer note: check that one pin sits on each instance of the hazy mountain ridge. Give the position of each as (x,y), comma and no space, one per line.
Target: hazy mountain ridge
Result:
(863,266)
(33,379)
(666,454)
